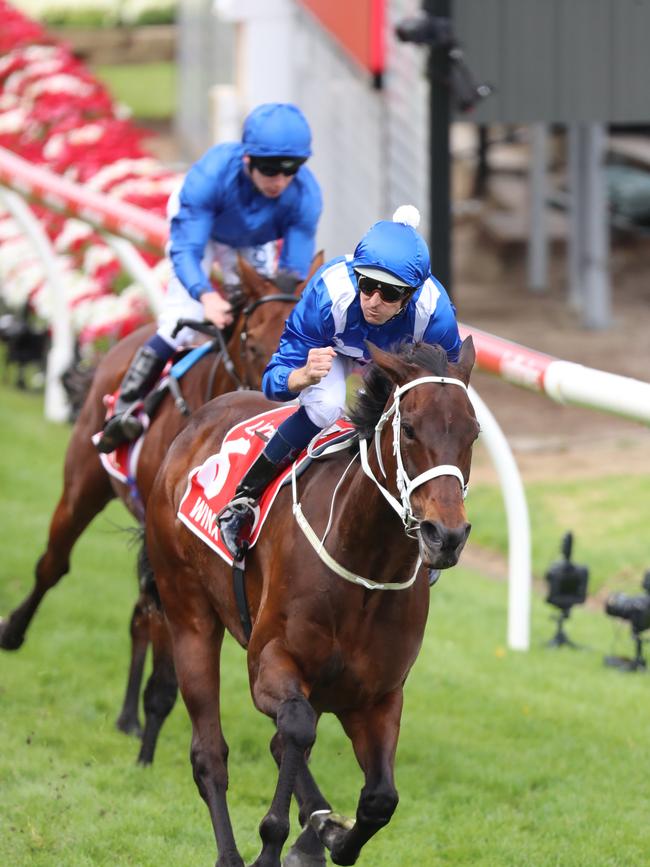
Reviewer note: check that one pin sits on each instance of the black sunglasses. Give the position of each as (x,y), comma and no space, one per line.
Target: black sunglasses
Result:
(271,167)
(388,292)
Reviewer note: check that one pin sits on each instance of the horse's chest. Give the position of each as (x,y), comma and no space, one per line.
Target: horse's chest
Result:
(361,669)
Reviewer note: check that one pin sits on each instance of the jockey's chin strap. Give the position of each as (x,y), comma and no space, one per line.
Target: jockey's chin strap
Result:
(406,486)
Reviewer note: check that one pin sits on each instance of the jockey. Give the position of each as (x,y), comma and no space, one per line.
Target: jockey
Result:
(237,198)
(385,294)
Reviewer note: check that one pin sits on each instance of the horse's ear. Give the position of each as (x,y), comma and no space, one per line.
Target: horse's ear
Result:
(316,263)
(399,370)
(254,285)
(466,359)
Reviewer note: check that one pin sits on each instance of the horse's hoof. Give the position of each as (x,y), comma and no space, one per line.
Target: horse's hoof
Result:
(7,640)
(129,726)
(296,858)
(330,826)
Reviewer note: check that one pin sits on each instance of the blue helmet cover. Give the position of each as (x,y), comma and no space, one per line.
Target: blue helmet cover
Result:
(276,129)
(396,248)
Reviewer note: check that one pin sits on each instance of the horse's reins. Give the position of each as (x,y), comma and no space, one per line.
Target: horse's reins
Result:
(243,337)
(405,486)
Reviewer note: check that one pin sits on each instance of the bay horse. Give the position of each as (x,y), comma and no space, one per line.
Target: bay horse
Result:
(321,642)
(88,488)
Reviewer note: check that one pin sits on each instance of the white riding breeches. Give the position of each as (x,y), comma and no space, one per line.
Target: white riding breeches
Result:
(324,402)
(179,304)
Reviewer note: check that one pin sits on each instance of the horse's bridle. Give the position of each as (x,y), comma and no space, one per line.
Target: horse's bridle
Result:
(406,486)
(243,337)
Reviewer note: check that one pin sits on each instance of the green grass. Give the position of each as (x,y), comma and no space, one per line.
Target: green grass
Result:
(606,515)
(505,759)
(148,89)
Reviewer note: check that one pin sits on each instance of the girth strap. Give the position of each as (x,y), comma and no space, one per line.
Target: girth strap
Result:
(239,587)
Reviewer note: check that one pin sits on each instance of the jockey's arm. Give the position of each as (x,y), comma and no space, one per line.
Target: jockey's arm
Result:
(191,214)
(305,354)
(318,365)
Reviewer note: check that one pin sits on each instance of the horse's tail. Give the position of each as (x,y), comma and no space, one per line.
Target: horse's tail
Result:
(146,579)
(76,381)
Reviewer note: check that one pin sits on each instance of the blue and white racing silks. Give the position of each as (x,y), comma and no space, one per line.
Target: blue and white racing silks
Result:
(219,202)
(329,314)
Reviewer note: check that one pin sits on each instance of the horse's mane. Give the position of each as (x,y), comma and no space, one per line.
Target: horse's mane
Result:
(377,385)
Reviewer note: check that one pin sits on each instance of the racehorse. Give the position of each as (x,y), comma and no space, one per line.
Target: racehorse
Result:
(321,641)
(87,487)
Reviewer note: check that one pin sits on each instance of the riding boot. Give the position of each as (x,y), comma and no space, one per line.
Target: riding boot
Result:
(142,374)
(236,520)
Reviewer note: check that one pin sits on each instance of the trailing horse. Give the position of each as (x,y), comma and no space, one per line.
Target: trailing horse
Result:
(337,620)
(87,487)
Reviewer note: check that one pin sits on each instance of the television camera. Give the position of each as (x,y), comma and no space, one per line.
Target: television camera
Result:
(636,610)
(567,586)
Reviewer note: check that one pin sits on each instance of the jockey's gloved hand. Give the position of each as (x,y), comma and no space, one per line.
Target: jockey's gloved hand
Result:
(286,282)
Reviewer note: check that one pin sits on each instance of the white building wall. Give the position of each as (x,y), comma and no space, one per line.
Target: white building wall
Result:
(370,145)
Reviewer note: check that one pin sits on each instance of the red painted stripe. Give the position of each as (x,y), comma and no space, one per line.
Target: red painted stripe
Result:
(377,36)
(508,359)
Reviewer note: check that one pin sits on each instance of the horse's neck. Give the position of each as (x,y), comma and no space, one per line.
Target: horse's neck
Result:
(368,530)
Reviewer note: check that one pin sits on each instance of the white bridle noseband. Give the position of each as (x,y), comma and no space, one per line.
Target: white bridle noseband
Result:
(405,486)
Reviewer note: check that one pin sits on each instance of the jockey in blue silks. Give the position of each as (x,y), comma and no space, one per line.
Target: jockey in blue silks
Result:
(239,198)
(384,293)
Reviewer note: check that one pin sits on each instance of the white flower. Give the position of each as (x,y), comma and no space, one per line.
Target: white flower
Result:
(96,257)
(13,121)
(62,83)
(120,168)
(73,231)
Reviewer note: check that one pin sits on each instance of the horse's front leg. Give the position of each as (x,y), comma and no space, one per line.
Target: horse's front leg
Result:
(373,732)
(197,651)
(307,851)
(278,691)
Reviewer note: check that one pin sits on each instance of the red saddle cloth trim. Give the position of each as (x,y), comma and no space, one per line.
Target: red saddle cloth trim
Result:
(211,486)
(122,462)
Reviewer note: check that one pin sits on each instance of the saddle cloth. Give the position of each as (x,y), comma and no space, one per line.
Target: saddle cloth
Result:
(122,463)
(211,486)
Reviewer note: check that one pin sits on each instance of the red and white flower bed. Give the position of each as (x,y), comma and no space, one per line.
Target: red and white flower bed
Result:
(54,113)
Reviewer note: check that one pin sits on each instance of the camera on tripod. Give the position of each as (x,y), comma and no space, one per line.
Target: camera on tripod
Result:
(567,586)
(636,610)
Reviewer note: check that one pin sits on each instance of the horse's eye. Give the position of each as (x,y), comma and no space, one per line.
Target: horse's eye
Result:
(408,431)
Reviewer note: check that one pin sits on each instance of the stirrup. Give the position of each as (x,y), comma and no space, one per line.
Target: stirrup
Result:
(235,517)
(119,429)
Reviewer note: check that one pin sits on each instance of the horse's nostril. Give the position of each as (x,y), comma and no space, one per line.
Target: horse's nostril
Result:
(436,535)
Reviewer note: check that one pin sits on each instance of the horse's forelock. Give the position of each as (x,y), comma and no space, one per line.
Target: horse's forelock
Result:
(377,385)
(430,357)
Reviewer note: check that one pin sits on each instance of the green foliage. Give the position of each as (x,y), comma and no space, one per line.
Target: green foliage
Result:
(108,15)
(505,759)
(157,15)
(79,16)
(148,89)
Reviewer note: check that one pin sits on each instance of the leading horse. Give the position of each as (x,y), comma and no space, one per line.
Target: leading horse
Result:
(87,487)
(321,641)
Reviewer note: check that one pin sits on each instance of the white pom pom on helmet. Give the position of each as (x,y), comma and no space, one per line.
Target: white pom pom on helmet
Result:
(407,214)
